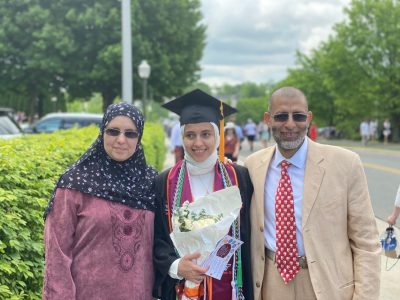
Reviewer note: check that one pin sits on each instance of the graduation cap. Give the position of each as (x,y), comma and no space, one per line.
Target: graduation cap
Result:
(197,107)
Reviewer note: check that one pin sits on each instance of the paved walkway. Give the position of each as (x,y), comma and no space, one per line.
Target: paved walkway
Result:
(390,279)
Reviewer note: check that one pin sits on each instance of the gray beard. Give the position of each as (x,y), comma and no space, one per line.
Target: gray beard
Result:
(288,145)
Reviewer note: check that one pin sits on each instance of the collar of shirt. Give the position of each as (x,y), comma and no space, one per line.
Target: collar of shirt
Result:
(298,159)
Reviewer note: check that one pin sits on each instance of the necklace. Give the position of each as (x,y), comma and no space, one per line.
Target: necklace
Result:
(202,185)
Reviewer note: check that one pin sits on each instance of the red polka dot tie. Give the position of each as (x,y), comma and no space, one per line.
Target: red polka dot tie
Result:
(286,258)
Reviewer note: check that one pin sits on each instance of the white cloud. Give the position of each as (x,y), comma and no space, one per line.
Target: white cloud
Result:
(256,40)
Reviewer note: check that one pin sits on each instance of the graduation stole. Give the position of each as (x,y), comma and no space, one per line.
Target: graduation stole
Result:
(178,187)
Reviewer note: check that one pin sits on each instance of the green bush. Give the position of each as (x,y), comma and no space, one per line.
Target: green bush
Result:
(29,168)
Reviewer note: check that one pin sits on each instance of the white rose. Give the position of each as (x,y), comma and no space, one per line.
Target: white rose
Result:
(202,223)
(189,224)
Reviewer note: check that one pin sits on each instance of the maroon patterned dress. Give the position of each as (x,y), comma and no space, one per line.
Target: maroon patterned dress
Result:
(97,249)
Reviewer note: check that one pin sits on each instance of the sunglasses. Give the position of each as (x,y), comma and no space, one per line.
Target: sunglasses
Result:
(116,132)
(284,116)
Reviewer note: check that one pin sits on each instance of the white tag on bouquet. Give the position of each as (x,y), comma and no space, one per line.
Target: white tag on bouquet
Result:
(218,260)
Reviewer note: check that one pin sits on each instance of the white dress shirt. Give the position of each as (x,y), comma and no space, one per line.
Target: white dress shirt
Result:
(296,174)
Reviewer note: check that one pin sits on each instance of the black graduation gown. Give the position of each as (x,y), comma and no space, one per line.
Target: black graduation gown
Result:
(164,252)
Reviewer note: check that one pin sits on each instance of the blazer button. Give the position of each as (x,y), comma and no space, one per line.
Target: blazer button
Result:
(261,228)
(258,284)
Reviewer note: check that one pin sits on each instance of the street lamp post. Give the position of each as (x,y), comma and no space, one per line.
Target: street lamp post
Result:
(144,70)
(127,87)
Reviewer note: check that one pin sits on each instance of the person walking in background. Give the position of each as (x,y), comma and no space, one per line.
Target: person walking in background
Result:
(239,132)
(392,218)
(313,132)
(199,174)
(364,132)
(373,130)
(313,200)
(238,129)
(232,142)
(176,146)
(250,130)
(263,132)
(99,222)
(386,131)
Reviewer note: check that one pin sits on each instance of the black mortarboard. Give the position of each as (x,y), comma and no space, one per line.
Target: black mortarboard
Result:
(198,106)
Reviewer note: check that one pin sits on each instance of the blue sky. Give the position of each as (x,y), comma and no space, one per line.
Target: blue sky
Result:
(256,40)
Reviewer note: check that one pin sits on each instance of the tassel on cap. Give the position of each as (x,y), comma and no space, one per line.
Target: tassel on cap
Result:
(221,151)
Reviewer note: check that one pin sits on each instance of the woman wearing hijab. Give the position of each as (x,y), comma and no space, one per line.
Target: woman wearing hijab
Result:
(99,221)
(199,174)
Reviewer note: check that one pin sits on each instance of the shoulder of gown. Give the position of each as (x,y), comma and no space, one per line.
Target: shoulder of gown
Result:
(246,192)
(164,251)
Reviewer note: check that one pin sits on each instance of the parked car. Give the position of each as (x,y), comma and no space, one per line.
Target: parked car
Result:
(57,121)
(9,128)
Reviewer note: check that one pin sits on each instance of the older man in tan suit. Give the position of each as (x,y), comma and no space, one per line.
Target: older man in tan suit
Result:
(314,234)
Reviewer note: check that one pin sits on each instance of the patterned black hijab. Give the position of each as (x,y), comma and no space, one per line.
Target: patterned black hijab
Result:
(129,182)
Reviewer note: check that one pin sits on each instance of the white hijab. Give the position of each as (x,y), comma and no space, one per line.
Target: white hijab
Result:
(198,168)
(201,174)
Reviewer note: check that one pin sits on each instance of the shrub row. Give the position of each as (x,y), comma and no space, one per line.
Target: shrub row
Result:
(29,168)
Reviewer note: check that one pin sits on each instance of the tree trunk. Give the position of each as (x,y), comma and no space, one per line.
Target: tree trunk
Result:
(40,104)
(108,98)
(396,128)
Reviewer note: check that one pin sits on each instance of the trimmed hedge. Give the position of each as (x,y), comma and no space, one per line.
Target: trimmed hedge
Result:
(29,168)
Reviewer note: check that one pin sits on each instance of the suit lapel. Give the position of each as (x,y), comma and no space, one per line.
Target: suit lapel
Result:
(313,176)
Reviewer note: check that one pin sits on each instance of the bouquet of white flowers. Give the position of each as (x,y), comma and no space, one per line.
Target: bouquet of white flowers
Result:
(198,226)
(188,220)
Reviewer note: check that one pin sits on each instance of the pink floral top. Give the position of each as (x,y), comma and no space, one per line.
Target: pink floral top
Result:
(97,249)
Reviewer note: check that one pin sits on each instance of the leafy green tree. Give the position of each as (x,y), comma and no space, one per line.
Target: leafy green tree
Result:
(76,45)
(94,105)
(33,48)
(229,90)
(252,90)
(253,108)
(173,49)
(356,73)
(94,65)
(310,78)
(172,41)
(372,38)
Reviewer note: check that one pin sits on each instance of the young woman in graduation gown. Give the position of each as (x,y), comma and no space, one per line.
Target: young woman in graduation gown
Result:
(99,222)
(199,174)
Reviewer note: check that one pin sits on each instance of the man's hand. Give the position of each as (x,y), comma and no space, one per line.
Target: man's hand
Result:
(190,270)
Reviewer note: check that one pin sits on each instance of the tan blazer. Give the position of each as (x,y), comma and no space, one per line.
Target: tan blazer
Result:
(340,235)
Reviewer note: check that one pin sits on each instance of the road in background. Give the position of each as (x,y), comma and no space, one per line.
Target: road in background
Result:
(382,168)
